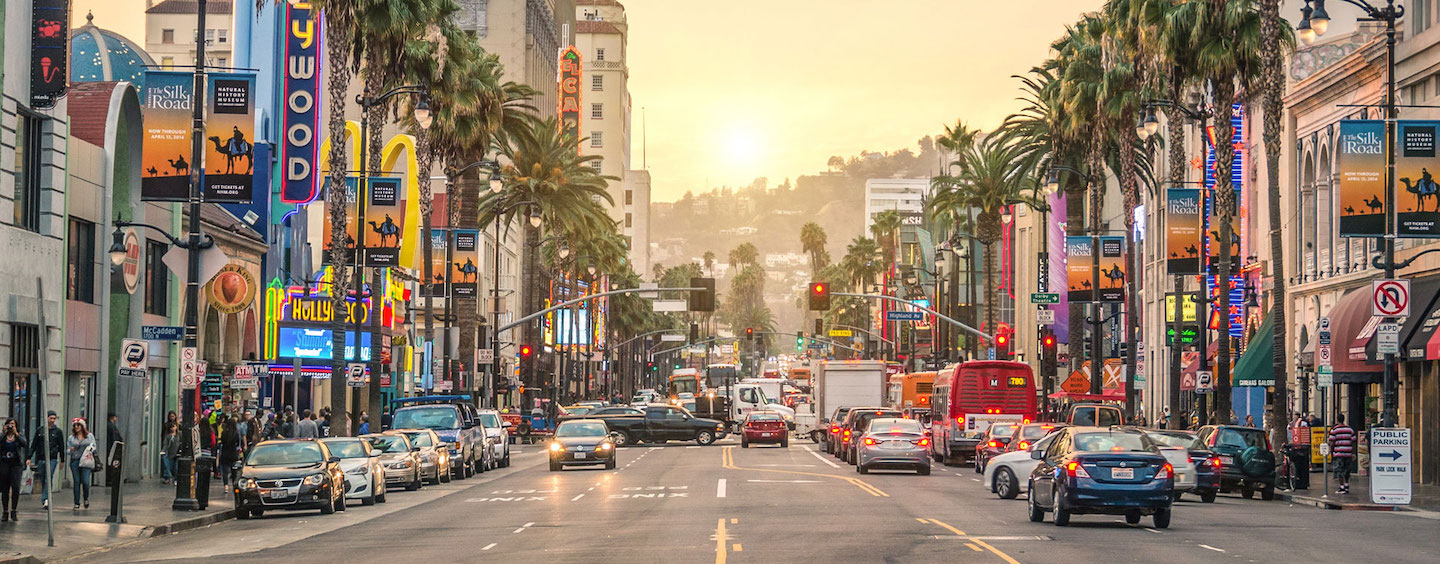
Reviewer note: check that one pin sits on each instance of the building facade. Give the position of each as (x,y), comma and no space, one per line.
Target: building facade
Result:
(170,32)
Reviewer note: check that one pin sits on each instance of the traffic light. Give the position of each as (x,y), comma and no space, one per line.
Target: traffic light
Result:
(703,299)
(1048,343)
(1002,345)
(800,341)
(526,352)
(819,296)
(750,333)
(819,326)
(651,367)
(694,332)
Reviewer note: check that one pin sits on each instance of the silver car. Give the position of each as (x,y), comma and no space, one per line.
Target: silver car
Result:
(893,443)
(498,432)
(434,456)
(364,474)
(400,458)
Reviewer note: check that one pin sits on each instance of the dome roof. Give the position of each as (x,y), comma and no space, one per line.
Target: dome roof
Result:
(101,55)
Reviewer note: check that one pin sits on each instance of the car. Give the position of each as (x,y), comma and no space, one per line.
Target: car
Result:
(1031,432)
(453,419)
(661,423)
(498,432)
(764,427)
(617,410)
(893,442)
(996,440)
(1246,460)
(1200,473)
(855,424)
(289,474)
(832,437)
(1094,414)
(582,442)
(434,457)
(575,410)
(364,475)
(1101,470)
(400,458)
(1004,472)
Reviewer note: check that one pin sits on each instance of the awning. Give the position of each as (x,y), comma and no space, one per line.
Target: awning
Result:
(1348,319)
(1422,299)
(1256,366)
(1307,348)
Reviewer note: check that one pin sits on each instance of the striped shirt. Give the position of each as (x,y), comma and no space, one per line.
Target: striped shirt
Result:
(1342,440)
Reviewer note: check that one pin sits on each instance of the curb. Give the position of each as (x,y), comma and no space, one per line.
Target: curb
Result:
(1336,505)
(191,523)
(17,558)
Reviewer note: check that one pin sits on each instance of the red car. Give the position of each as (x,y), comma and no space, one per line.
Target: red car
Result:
(764,427)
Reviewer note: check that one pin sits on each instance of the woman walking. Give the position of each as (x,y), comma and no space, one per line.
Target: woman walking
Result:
(81,453)
(230,444)
(12,466)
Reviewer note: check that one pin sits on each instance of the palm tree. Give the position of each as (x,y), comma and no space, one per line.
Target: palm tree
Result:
(812,241)
(709,258)
(885,229)
(743,254)
(1276,38)
(861,262)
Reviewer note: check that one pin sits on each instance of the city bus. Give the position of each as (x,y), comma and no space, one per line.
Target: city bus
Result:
(800,375)
(970,396)
(684,380)
(721,375)
(911,392)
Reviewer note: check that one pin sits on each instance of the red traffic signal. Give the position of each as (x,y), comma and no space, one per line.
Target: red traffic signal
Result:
(526,351)
(1049,341)
(819,296)
(750,333)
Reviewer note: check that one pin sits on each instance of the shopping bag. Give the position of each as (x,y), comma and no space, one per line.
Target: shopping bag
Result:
(27,481)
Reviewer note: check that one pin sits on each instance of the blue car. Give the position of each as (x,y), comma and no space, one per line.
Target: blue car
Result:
(1109,471)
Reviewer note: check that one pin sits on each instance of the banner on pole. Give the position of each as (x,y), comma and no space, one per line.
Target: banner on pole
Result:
(1112,269)
(229,129)
(438,280)
(1078,268)
(464,273)
(384,221)
(1417,211)
(164,163)
(351,211)
(1361,158)
(1182,230)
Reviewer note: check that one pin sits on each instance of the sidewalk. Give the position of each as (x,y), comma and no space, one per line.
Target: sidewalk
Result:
(1426,497)
(147,514)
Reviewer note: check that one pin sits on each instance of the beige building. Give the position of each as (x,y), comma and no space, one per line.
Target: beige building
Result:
(170,32)
(527,36)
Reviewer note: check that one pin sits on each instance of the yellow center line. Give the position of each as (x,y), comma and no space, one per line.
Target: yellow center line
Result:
(973,547)
(720,542)
(727,458)
(960,533)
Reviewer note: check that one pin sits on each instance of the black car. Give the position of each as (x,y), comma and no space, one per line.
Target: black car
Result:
(289,474)
(582,442)
(1111,471)
(1246,460)
(856,422)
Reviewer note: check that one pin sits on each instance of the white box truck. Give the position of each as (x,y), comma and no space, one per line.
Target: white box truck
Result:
(841,383)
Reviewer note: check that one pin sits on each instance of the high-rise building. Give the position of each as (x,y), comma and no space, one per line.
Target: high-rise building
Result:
(170,32)
(905,195)
(527,35)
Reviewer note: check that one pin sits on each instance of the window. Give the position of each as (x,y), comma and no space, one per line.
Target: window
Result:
(597,111)
(167,36)
(24,366)
(599,53)
(1421,12)
(157,279)
(27,171)
(597,139)
(629,220)
(80,262)
(223,34)
(209,36)
(629,197)
(597,82)
(595,164)
(167,62)
(223,62)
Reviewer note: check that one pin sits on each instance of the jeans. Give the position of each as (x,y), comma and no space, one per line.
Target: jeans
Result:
(82,480)
(167,467)
(42,479)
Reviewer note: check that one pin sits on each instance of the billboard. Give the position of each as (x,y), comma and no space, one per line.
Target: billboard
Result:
(569,106)
(1182,230)
(299,152)
(1079,273)
(49,51)
(1360,153)
(229,127)
(384,221)
(350,211)
(1112,269)
(464,273)
(437,288)
(164,165)
(1418,208)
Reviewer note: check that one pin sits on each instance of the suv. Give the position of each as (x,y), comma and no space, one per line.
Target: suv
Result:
(1245,459)
(831,429)
(856,423)
(454,420)
(498,433)
(1094,415)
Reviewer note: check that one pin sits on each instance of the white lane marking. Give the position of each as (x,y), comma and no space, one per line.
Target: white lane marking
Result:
(821,458)
(520,530)
(1208,547)
(974,479)
(490,546)
(577,498)
(785,481)
(1153,531)
(692,447)
(720,488)
(654,448)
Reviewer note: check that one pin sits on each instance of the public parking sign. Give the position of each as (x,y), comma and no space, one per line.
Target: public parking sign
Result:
(1390,464)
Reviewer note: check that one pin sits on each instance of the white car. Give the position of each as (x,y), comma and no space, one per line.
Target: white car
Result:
(1003,472)
(364,474)
(1176,449)
(498,432)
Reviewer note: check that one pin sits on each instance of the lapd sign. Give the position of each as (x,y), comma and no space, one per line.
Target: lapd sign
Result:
(1390,464)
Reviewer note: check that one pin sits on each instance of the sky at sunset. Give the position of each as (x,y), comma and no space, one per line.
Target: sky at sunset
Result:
(740,89)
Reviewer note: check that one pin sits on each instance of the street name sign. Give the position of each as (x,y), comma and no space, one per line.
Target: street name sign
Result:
(1390,298)
(162,333)
(1044,298)
(904,315)
(1390,464)
(672,338)
(842,333)
(662,306)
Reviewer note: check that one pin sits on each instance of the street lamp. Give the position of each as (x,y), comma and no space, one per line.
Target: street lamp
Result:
(535,219)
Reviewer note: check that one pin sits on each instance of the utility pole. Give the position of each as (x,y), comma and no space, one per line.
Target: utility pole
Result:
(185,464)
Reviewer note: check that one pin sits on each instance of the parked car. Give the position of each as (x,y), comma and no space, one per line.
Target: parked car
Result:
(582,442)
(764,427)
(832,437)
(1200,473)
(434,457)
(498,431)
(856,422)
(1105,470)
(364,475)
(453,419)
(893,442)
(996,440)
(1246,460)
(289,474)
(401,459)
(1004,472)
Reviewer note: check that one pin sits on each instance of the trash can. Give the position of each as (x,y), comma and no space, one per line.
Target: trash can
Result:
(1299,456)
(204,466)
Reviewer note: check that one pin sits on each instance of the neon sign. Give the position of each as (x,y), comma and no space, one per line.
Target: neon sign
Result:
(569,107)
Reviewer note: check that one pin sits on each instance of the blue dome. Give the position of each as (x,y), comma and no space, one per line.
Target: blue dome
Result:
(99,55)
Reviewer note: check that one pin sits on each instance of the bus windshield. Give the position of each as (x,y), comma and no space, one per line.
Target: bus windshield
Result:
(683,384)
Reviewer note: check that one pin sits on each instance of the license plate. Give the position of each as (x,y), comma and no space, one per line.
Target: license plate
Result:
(581,455)
(1227,460)
(767,434)
(1122,473)
(276,494)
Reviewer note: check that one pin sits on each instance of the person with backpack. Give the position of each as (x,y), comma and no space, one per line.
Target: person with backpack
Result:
(1342,448)
(81,445)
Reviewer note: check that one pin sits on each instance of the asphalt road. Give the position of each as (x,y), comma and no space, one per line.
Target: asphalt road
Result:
(684,503)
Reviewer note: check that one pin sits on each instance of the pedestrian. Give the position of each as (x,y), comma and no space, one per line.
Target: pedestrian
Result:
(230,445)
(364,422)
(112,433)
(306,428)
(56,454)
(12,468)
(170,449)
(1342,448)
(323,423)
(81,445)
(1249,420)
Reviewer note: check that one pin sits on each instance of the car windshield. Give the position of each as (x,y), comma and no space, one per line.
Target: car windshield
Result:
(437,417)
(1184,440)
(1032,432)
(863,419)
(286,454)
(490,420)
(1241,439)
(577,410)
(389,443)
(1002,430)
(581,429)
(895,426)
(1101,442)
(347,448)
(420,439)
(764,417)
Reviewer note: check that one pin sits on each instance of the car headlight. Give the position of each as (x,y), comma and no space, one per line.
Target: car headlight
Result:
(557,447)
(403,464)
(604,446)
(360,470)
(314,480)
(247,484)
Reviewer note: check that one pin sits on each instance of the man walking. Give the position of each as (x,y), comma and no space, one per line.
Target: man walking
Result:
(1342,448)
(306,428)
(43,473)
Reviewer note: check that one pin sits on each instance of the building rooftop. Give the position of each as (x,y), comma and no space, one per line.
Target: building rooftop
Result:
(595,26)
(89,110)
(101,55)
(598,3)
(192,7)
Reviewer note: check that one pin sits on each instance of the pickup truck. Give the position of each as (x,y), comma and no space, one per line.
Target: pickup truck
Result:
(662,423)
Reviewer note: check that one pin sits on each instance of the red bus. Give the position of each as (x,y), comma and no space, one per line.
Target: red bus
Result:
(970,396)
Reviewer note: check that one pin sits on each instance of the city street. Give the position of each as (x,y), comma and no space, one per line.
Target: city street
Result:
(683,503)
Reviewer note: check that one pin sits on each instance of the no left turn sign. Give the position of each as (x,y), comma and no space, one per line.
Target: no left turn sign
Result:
(1390,298)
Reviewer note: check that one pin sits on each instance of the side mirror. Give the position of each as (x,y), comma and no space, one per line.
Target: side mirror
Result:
(1037,454)
(334,460)
(414,449)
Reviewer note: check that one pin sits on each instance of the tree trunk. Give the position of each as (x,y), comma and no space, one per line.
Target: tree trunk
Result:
(375,82)
(337,49)
(426,157)
(531,293)
(1272,106)
(1177,167)
(1224,89)
(1130,188)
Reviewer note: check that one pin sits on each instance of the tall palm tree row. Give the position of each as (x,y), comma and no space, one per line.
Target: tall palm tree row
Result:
(812,242)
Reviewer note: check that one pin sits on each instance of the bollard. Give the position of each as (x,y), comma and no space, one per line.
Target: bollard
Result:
(114,471)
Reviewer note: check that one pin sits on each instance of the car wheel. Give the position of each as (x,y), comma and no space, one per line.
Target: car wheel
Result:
(1175,497)
(468,468)
(380,497)
(1132,517)
(861,469)
(610,464)
(444,476)
(785,443)
(1036,513)
(1247,491)
(506,463)
(341,503)
(328,508)
(622,438)
(815,437)
(1207,496)
(242,513)
(1267,493)
(1006,486)
(414,484)
(979,465)
(704,438)
(1062,515)
(1162,518)
(436,480)
(923,469)
(850,457)
(554,466)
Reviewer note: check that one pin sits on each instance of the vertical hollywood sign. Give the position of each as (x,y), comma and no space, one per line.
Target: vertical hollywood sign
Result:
(569,107)
(302,77)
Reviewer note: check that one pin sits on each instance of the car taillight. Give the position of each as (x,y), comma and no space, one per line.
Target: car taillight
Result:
(834,428)
(1024,445)
(847,434)
(870,441)
(922,442)
(1025,420)
(1215,463)
(994,444)
(1075,470)
(1166,471)
(960,419)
